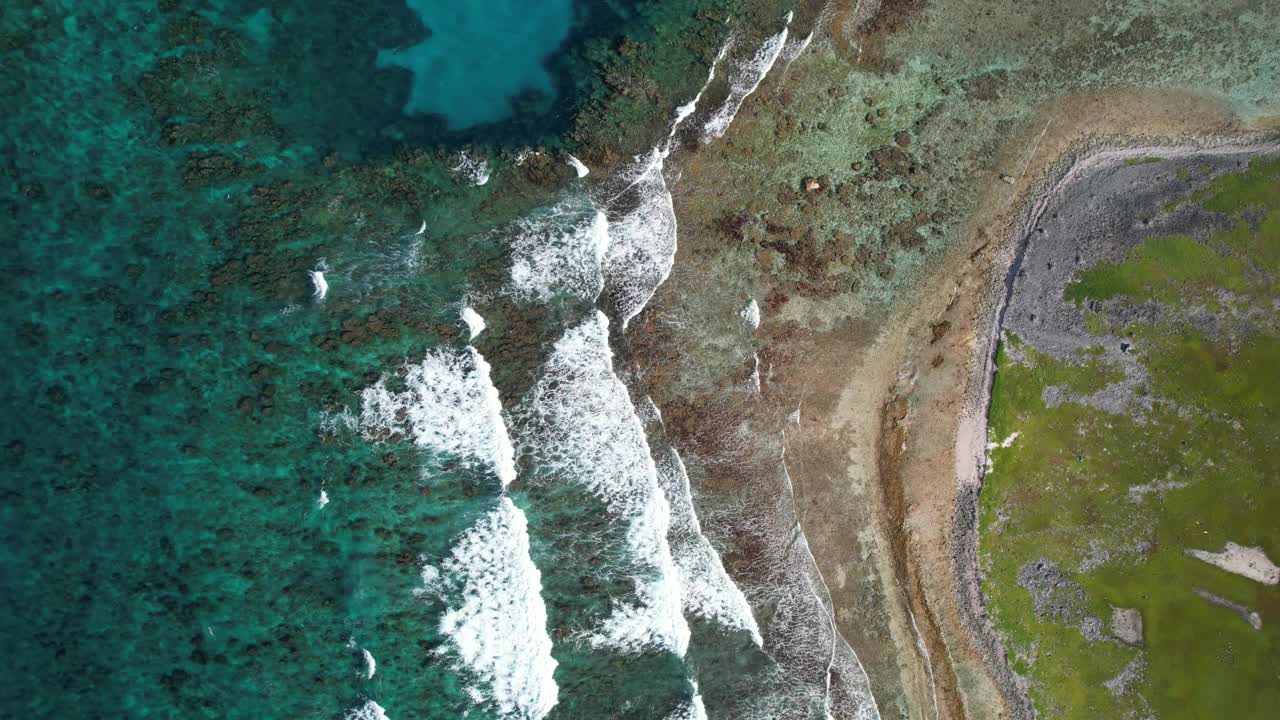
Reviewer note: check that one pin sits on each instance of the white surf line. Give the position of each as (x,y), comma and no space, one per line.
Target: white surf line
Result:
(422,229)
(707,590)
(684,111)
(578,167)
(794,49)
(1034,145)
(694,709)
(578,423)
(642,242)
(928,659)
(759,66)
(828,606)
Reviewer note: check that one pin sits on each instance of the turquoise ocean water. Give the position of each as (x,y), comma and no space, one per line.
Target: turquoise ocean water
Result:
(225,495)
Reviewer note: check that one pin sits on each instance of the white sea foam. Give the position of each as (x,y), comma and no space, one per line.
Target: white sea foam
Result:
(794,48)
(743,80)
(642,237)
(707,590)
(322,500)
(319,286)
(750,314)
(471,170)
(430,579)
(684,111)
(475,323)
(842,662)
(578,425)
(449,405)
(496,622)
(370,665)
(337,422)
(557,250)
(694,709)
(370,710)
(578,167)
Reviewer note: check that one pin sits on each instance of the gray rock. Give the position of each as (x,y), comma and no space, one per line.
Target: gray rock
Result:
(1126,625)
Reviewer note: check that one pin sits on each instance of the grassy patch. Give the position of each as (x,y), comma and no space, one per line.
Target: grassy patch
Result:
(1243,260)
(1096,323)
(1115,500)
(1161,269)
(1144,160)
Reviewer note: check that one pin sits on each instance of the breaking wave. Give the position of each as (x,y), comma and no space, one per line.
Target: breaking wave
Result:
(642,237)
(743,80)
(496,623)
(370,710)
(559,250)
(449,405)
(577,425)
(707,591)
(691,710)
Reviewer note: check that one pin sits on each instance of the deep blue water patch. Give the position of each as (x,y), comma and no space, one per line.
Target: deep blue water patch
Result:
(478,58)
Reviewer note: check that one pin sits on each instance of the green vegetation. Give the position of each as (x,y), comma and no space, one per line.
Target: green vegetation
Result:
(1144,160)
(1244,261)
(1161,269)
(1115,499)
(1095,323)
(1256,187)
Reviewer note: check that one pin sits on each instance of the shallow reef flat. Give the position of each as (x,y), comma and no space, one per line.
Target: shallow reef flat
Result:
(866,199)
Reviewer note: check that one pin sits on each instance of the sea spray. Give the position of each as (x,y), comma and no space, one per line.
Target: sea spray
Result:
(449,406)
(577,425)
(750,314)
(475,324)
(578,167)
(496,621)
